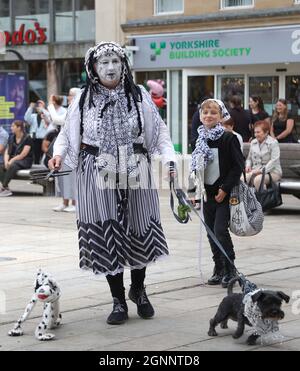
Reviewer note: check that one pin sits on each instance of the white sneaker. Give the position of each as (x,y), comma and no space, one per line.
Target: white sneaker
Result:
(70,209)
(5,192)
(60,208)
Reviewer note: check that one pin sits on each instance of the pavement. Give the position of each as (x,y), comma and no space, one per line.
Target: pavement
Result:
(33,236)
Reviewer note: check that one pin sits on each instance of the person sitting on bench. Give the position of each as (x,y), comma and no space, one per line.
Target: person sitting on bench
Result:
(264,153)
(18,155)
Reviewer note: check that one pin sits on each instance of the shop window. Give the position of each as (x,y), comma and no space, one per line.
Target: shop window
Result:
(37,76)
(63,12)
(236,3)
(266,87)
(229,86)
(72,72)
(168,6)
(29,12)
(143,77)
(85,20)
(292,95)
(4,16)
(10,66)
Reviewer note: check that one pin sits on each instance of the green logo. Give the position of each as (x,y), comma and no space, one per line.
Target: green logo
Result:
(157,49)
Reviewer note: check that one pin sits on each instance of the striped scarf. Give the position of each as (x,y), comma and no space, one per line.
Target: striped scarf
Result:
(202,154)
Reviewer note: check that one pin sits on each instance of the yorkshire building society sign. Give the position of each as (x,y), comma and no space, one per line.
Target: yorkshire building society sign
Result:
(275,45)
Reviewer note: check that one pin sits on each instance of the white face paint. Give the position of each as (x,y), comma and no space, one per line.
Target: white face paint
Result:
(109,70)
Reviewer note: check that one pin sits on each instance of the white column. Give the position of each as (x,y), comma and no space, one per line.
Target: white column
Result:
(109,17)
(52,80)
(184,112)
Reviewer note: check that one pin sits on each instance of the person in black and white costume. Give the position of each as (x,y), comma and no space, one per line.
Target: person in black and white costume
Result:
(109,127)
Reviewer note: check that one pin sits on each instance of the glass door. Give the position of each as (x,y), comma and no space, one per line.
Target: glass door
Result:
(266,87)
(229,85)
(199,88)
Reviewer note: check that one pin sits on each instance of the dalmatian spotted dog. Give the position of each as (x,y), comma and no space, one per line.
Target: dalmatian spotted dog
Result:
(46,291)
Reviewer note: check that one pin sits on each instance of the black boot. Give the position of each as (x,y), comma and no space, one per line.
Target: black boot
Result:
(230,273)
(139,297)
(218,273)
(119,313)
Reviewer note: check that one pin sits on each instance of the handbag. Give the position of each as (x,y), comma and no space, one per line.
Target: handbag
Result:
(269,197)
(246,215)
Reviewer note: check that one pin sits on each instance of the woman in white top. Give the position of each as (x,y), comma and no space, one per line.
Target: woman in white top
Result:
(264,153)
(57,112)
(65,186)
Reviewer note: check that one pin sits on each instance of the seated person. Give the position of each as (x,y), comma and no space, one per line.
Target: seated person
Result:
(282,123)
(18,155)
(3,143)
(264,153)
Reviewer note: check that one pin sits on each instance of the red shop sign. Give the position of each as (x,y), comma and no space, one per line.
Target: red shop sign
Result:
(29,37)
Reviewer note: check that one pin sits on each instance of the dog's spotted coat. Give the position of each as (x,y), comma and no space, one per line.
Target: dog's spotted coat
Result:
(48,292)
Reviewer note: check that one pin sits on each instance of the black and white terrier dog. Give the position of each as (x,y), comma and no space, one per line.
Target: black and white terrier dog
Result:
(260,309)
(46,291)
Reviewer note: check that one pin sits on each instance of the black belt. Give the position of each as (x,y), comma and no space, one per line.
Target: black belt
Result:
(89,149)
(137,148)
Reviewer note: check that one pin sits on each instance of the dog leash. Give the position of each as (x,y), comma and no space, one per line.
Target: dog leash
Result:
(186,205)
(183,216)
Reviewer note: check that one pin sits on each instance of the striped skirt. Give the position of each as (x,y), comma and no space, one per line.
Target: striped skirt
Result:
(112,237)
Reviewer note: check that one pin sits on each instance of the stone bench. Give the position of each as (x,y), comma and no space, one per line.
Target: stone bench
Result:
(290,163)
(48,185)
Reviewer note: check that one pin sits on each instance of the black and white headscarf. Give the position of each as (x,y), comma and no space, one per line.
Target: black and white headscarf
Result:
(96,52)
(120,120)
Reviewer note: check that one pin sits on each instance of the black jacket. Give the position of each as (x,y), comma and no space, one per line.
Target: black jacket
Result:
(231,163)
(242,122)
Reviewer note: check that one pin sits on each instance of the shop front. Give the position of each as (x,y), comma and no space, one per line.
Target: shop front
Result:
(51,39)
(194,66)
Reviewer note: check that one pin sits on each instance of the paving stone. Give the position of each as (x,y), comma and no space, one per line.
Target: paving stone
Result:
(37,237)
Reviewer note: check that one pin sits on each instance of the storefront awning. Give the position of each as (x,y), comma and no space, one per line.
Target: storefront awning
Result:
(228,47)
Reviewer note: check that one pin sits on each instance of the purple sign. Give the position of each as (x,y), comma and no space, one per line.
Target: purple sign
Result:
(13,97)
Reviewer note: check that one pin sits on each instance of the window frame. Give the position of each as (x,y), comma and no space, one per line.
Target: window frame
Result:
(51,30)
(223,7)
(156,13)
